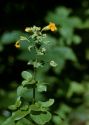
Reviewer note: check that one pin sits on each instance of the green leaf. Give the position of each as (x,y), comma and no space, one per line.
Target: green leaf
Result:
(9,121)
(36,107)
(21,90)
(12,107)
(41,118)
(41,87)
(23,38)
(25,82)
(75,88)
(59,15)
(77,39)
(9,37)
(24,121)
(20,114)
(67,53)
(47,103)
(27,75)
(17,104)
(57,120)
(24,107)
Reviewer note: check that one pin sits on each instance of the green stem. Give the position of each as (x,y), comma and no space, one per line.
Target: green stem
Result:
(34,86)
(33,94)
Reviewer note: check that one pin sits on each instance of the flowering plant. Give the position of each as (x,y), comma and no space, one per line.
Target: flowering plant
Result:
(32,111)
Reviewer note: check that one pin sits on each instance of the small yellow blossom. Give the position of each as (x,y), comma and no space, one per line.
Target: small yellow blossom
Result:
(17,44)
(51,27)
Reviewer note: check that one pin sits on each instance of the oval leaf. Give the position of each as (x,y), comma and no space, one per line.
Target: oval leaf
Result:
(9,121)
(35,107)
(21,90)
(41,88)
(20,114)
(17,104)
(47,103)
(26,83)
(42,118)
(27,75)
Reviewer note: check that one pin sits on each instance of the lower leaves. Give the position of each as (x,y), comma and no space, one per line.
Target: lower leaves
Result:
(20,114)
(38,113)
(41,118)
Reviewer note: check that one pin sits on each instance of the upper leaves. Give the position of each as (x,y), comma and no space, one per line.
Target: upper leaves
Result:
(27,75)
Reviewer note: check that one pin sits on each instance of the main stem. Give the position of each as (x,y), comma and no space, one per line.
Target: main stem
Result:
(34,85)
(33,95)
(35,81)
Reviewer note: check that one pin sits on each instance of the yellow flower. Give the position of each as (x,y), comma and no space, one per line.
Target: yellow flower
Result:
(17,44)
(52,26)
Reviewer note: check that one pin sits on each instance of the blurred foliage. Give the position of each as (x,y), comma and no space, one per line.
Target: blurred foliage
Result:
(69,82)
